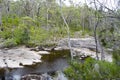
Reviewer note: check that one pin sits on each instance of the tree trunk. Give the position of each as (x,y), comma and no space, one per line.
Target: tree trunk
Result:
(96,40)
(47,15)
(68,31)
(0,14)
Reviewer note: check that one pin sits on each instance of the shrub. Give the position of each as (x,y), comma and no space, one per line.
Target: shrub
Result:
(37,35)
(28,21)
(10,43)
(116,56)
(21,35)
(92,70)
(6,33)
(58,32)
(10,21)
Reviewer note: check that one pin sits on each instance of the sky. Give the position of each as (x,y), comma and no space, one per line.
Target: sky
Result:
(108,3)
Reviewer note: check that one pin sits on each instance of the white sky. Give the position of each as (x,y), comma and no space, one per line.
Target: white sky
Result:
(108,3)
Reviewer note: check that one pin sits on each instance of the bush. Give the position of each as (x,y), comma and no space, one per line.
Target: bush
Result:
(92,70)
(6,33)
(10,21)
(22,30)
(58,32)
(21,35)
(10,43)
(116,56)
(37,35)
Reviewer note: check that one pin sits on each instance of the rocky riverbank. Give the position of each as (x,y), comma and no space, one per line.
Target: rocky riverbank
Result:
(83,47)
(21,56)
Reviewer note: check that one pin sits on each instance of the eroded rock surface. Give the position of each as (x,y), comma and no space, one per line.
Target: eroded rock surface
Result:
(78,43)
(18,57)
(36,77)
(83,46)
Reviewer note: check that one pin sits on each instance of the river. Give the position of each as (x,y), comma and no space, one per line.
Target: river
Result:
(52,65)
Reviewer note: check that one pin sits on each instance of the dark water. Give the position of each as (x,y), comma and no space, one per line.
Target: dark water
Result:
(56,61)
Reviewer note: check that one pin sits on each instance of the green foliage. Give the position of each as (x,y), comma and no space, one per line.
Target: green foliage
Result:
(1,1)
(27,24)
(10,43)
(6,33)
(58,32)
(30,29)
(75,28)
(23,30)
(28,21)
(37,35)
(21,35)
(91,69)
(10,21)
(116,56)
(15,36)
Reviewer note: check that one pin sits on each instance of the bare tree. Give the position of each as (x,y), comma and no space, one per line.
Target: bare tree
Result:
(0,12)
(68,30)
(95,30)
(110,14)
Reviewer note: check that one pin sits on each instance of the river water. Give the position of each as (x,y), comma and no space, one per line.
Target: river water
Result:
(52,64)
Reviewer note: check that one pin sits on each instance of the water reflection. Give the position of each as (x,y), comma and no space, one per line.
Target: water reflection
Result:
(56,61)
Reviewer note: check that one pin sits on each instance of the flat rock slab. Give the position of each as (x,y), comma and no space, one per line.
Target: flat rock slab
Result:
(18,57)
(83,46)
(42,52)
(78,43)
(88,52)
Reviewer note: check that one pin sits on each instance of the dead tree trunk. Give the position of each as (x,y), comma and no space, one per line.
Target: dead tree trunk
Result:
(68,30)
(96,40)
(95,31)
(0,14)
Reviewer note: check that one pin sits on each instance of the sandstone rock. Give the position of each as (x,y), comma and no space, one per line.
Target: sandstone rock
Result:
(78,43)
(36,77)
(18,57)
(83,46)
(43,52)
